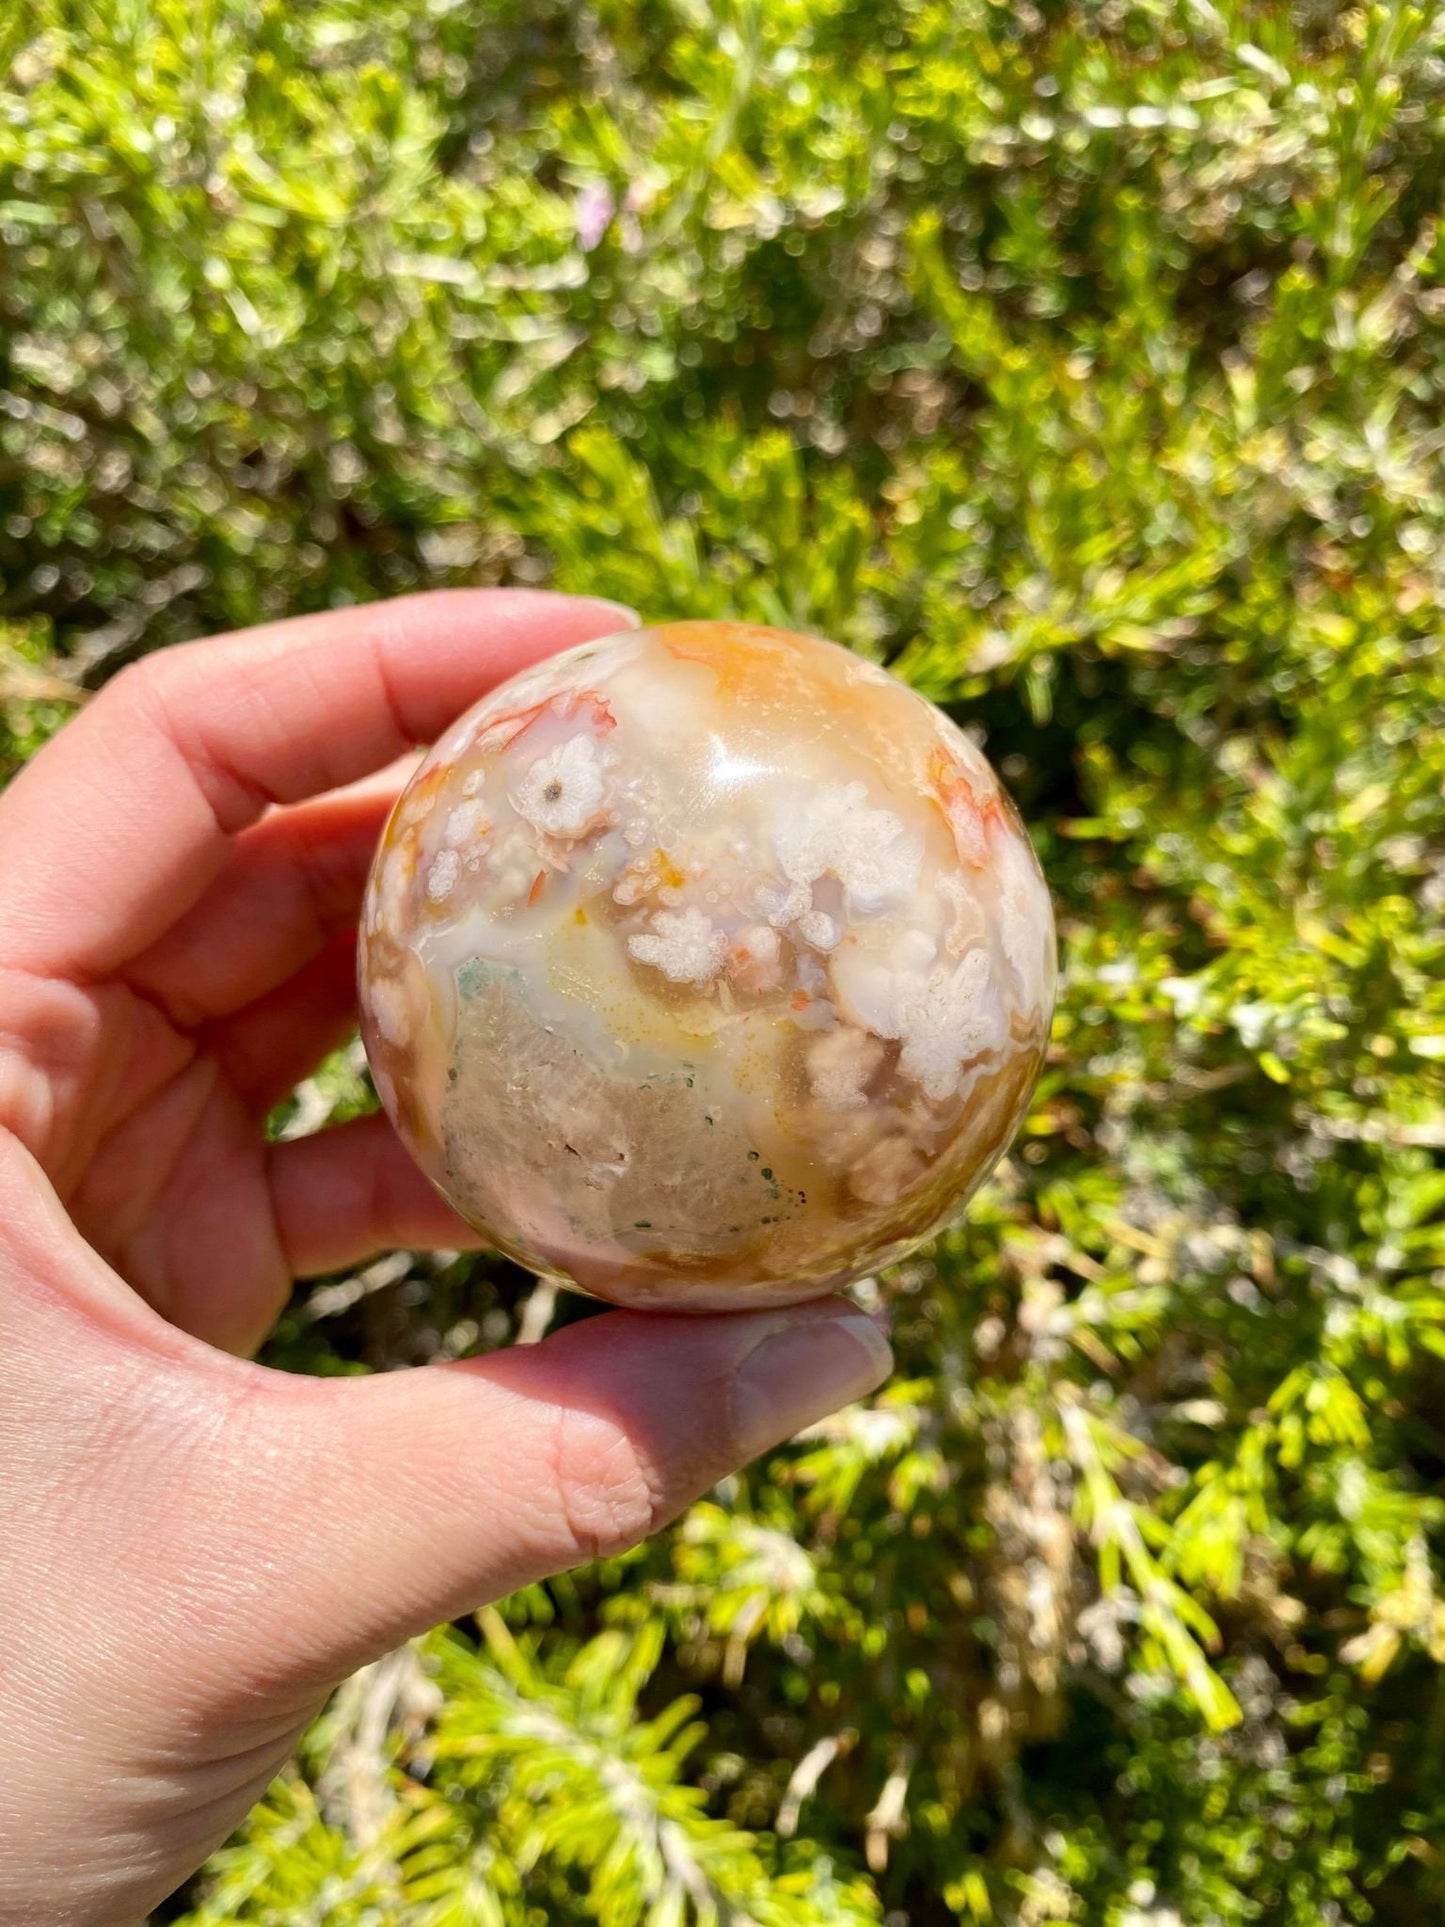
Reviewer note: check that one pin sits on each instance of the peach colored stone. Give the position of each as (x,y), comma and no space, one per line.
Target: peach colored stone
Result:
(706,966)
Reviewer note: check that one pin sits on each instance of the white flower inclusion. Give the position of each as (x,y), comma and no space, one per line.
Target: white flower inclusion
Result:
(562,792)
(944,1020)
(840,1064)
(467,824)
(871,853)
(819,929)
(442,876)
(1024,919)
(387,1001)
(683,944)
(944,1015)
(760,943)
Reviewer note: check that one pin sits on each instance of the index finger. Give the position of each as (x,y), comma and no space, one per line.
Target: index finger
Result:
(118,825)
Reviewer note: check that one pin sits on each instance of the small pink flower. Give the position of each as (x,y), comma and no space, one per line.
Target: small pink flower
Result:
(593,211)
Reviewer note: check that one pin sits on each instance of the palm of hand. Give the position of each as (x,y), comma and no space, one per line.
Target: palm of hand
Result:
(170,1181)
(147,1092)
(146,1049)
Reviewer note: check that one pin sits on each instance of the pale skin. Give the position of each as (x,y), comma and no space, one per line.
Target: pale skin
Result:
(197,1548)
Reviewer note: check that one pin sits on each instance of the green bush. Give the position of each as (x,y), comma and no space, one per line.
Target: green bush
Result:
(1083,360)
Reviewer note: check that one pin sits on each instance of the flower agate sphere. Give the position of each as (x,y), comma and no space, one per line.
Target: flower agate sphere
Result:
(706,966)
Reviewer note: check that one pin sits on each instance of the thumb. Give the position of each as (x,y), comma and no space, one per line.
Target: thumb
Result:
(399,1501)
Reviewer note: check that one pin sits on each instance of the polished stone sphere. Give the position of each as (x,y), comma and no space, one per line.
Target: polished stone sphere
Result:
(706,966)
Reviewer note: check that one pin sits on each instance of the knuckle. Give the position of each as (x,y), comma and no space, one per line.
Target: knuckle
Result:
(604,1494)
(138,681)
(139,693)
(125,691)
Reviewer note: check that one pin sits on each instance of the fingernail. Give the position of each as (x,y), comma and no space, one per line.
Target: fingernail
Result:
(799,1374)
(630,617)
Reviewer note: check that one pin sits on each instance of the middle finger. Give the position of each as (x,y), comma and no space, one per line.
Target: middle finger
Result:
(292,882)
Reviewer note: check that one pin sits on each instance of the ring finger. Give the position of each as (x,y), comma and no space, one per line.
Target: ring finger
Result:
(292,882)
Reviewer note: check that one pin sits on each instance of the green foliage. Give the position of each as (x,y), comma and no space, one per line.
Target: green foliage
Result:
(36,694)
(546,1796)
(1085,362)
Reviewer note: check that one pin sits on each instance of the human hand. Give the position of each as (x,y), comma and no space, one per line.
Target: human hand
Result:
(196,1549)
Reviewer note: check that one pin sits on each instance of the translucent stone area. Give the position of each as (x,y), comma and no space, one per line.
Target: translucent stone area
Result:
(706,966)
